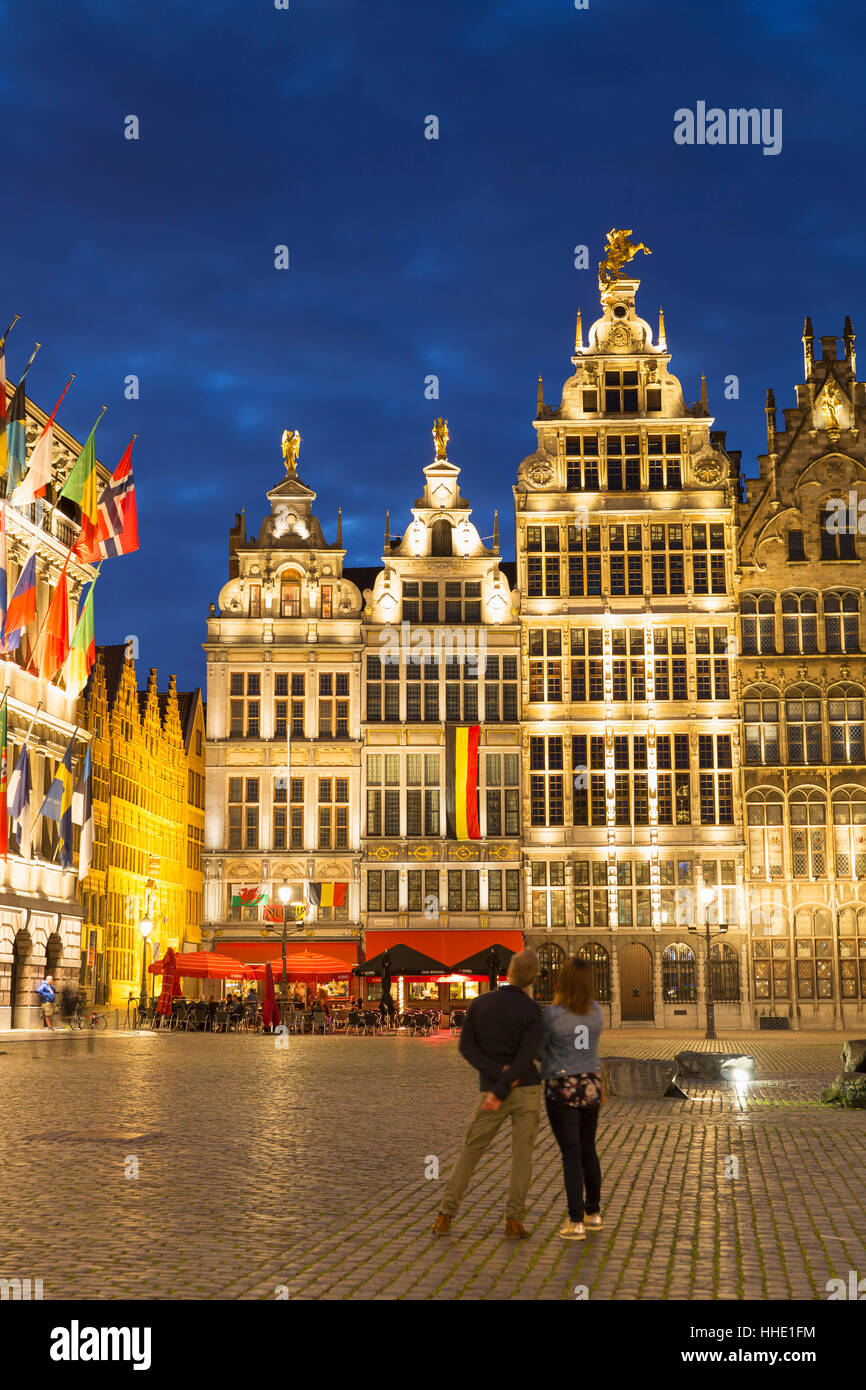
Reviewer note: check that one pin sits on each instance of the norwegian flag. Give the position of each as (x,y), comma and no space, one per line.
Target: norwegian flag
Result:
(117,526)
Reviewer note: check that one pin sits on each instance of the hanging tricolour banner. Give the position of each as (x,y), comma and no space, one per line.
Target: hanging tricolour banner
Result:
(461,781)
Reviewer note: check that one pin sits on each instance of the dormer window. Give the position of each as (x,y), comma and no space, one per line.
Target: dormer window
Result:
(620,393)
(290,598)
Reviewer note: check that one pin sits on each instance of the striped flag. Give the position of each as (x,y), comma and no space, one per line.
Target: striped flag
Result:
(4,578)
(461,781)
(22,605)
(117,523)
(57,805)
(39,472)
(82,814)
(328,894)
(82,648)
(13,446)
(3,402)
(19,801)
(81,488)
(55,649)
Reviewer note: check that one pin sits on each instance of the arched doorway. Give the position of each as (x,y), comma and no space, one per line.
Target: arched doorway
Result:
(22,984)
(440,537)
(635,983)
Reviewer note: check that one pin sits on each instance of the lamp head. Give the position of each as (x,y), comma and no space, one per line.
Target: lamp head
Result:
(284,893)
(145,926)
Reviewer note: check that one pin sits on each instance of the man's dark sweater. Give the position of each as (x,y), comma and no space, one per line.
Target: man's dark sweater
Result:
(500,1037)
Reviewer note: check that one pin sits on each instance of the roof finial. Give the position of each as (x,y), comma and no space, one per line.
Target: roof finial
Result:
(339,528)
(387,531)
(704,402)
(578,335)
(662,339)
(849,342)
(540,397)
(808,346)
(496,532)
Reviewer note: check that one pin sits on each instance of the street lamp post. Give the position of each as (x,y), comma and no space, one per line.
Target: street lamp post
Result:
(145,926)
(285,894)
(708,986)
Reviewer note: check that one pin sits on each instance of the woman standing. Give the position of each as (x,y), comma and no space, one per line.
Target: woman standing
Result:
(571,1071)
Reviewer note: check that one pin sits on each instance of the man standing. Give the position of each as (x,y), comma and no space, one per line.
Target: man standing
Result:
(499,1038)
(46,998)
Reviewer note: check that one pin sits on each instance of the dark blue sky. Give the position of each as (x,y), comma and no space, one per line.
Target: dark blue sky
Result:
(306,127)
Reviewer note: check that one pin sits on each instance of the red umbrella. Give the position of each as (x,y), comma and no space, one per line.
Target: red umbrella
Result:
(168,982)
(204,965)
(270,1010)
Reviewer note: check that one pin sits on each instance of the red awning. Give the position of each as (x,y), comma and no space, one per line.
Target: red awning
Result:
(449,946)
(260,952)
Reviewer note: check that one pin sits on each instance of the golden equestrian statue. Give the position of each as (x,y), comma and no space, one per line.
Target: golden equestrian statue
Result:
(291,449)
(440,437)
(619,251)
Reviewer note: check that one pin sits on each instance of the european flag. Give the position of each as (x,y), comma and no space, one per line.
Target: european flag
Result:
(57,805)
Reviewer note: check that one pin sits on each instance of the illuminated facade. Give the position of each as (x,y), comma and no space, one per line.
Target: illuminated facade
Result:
(803,675)
(283,733)
(625,527)
(142,818)
(40,918)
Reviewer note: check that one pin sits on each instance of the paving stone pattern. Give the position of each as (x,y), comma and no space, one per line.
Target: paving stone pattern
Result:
(302,1171)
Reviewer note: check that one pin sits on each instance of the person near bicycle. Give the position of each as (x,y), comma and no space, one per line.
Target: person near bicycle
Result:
(45,990)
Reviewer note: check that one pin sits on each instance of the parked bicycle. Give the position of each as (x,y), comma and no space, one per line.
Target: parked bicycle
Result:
(89,1018)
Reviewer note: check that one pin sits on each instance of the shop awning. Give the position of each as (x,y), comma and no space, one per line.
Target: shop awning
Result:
(406,963)
(260,952)
(447,946)
(200,965)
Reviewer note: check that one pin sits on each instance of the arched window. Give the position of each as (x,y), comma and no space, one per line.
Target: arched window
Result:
(852,953)
(849,833)
(807,813)
(771,962)
(290,597)
(600,962)
(845,710)
(758,624)
(678,975)
(813,947)
(551,958)
(761,713)
(764,819)
(803,724)
(842,622)
(440,537)
(724,974)
(800,622)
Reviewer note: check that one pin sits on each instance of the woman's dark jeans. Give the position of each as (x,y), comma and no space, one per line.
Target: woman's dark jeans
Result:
(574,1130)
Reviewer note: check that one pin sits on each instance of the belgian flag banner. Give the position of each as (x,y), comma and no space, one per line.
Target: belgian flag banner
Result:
(328,894)
(461,781)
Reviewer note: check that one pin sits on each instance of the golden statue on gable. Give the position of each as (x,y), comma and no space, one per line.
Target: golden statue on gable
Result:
(619,251)
(291,449)
(831,405)
(440,437)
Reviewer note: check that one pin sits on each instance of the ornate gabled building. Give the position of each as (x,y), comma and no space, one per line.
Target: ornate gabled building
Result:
(803,673)
(625,529)
(283,688)
(440,650)
(141,820)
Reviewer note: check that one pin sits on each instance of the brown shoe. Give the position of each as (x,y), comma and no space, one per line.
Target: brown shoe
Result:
(515,1230)
(442,1225)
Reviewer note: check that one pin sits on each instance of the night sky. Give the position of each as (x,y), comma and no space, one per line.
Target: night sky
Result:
(305,127)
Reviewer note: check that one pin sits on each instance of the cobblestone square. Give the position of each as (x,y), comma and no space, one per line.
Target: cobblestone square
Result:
(300,1172)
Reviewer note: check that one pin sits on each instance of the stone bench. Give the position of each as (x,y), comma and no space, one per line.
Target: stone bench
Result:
(647,1077)
(707,1066)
